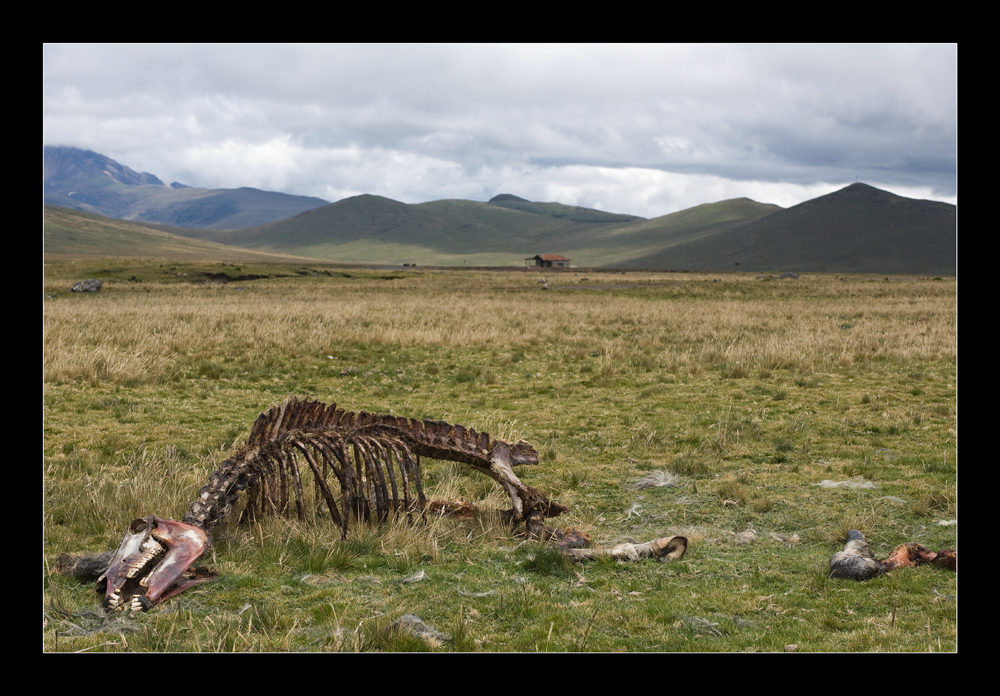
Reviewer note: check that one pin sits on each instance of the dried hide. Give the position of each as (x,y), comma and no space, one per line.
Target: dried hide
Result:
(857,562)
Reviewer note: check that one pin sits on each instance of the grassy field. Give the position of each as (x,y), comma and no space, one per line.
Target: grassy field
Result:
(748,391)
(72,234)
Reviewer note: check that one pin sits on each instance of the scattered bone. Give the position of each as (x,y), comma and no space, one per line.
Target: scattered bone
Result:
(315,580)
(663,550)
(699,625)
(475,594)
(853,482)
(89,285)
(414,625)
(740,622)
(784,538)
(655,479)
(636,509)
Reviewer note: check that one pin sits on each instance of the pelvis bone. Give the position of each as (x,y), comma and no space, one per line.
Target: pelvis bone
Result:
(857,562)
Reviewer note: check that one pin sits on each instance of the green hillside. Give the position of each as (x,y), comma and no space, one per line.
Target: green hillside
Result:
(859,229)
(560,211)
(703,226)
(370,228)
(374,229)
(73,234)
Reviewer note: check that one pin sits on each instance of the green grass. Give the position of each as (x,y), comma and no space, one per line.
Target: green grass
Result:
(72,234)
(145,393)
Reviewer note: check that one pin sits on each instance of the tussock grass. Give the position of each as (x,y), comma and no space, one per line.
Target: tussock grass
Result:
(732,492)
(931,503)
(252,326)
(745,391)
(689,466)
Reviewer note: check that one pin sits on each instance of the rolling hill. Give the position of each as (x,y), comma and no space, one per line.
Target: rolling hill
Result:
(857,229)
(366,228)
(370,228)
(73,234)
(570,213)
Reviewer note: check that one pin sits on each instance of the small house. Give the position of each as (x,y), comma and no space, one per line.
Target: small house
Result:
(549,261)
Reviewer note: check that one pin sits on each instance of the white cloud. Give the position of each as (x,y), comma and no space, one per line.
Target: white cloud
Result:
(269,165)
(639,129)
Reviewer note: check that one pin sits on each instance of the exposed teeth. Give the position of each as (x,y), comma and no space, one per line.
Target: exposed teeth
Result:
(138,565)
(114,599)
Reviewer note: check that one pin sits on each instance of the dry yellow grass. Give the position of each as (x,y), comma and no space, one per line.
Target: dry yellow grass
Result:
(127,335)
(761,388)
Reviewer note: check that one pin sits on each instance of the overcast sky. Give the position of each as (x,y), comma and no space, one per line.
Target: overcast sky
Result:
(640,129)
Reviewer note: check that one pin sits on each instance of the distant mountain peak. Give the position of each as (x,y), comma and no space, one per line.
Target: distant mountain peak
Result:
(507,197)
(61,163)
(86,180)
(861,188)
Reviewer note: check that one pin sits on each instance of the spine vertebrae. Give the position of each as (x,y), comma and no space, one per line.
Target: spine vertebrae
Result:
(374,459)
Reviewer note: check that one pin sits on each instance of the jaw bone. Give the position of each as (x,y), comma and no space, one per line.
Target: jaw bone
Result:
(149,563)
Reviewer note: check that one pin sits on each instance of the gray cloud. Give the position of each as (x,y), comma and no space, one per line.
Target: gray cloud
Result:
(639,129)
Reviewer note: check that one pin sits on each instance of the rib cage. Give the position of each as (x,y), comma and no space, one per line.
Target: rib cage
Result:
(374,460)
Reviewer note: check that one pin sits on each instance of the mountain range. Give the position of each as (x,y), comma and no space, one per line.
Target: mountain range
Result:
(856,229)
(85,180)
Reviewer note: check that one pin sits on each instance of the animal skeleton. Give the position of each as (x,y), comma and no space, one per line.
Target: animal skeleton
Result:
(374,458)
(374,461)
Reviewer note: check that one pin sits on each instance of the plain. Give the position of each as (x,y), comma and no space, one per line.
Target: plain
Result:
(744,391)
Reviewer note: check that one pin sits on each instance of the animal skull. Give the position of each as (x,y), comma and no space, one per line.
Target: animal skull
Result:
(149,563)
